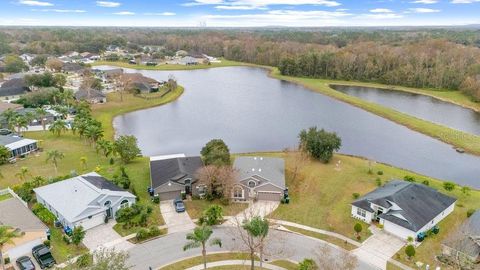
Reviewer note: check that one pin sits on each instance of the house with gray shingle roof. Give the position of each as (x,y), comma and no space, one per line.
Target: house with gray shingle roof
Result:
(464,243)
(404,209)
(261,178)
(86,200)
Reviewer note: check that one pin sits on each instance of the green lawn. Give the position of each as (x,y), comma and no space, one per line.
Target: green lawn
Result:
(285,264)
(469,142)
(62,251)
(327,238)
(195,208)
(224,63)
(321,198)
(5,197)
(181,265)
(391,266)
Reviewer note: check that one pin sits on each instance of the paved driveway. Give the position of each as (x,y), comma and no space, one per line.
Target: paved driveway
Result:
(105,236)
(168,249)
(176,222)
(380,247)
(258,208)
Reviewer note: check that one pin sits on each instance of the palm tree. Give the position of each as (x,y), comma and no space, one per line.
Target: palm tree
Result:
(58,127)
(257,227)
(62,110)
(199,238)
(83,161)
(20,122)
(6,235)
(105,146)
(23,173)
(41,114)
(10,116)
(94,133)
(54,156)
(67,96)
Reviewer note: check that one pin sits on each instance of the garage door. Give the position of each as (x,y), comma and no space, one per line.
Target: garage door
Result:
(268,196)
(23,249)
(89,223)
(170,195)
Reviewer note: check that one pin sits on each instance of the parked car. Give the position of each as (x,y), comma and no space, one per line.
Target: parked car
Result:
(25,263)
(44,257)
(179,205)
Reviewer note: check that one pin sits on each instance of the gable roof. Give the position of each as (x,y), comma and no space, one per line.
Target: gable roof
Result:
(88,94)
(14,142)
(467,237)
(413,205)
(176,169)
(14,87)
(14,214)
(80,196)
(262,168)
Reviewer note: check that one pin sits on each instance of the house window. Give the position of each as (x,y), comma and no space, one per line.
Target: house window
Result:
(107,203)
(251,184)
(238,192)
(124,204)
(361,212)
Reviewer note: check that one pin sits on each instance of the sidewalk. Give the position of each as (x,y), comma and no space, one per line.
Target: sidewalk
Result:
(236,262)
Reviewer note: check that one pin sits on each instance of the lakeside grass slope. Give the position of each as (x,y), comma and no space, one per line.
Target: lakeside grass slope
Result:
(223,63)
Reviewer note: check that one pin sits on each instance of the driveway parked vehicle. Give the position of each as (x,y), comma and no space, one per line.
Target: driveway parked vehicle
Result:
(44,257)
(25,263)
(179,205)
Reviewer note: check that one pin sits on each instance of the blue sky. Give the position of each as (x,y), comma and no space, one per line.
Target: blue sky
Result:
(236,13)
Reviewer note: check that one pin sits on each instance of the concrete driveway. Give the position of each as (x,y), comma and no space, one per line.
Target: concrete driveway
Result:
(105,236)
(380,247)
(175,222)
(258,208)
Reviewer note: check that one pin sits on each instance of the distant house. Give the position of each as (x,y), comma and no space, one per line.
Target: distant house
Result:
(27,57)
(72,68)
(188,61)
(92,96)
(15,213)
(261,178)
(464,244)
(18,146)
(404,209)
(140,83)
(112,74)
(87,200)
(13,89)
(173,174)
(181,53)
(7,105)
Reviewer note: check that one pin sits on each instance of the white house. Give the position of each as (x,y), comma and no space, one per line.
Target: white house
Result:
(404,209)
(87,200)
(18,146)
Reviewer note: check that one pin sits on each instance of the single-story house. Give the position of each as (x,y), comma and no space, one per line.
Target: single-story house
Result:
(188,61)
(92,96)
(72,68)
(27,57)
(464,244)
(9,106)
(404,209)
(87,200)
(140,83)
(13,88)
(18,146)
(173,174)
(15,213)
(261,178)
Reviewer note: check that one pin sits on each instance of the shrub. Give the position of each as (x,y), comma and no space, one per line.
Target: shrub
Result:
(156,199)
(84,260)
(380,172)
(410,251)
(307,264)
(213,215)
(43,214)
(410,239)
(358,228)
(320,144)
(449,186)
(470,212)
(355,195)
(122,179)
(77,235)
(149,209)
(154,231)
(409,178)
(6,260)
(66,239)
(47,243)
(466,190)
(225,201)
(426,182)
(142,234)
(378,181)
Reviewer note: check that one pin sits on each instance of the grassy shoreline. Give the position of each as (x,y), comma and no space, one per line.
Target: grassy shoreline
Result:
(223,63)
(456,138)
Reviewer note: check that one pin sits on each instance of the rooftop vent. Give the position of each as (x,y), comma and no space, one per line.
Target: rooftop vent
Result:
(261,158)
(255,158)
(260,170)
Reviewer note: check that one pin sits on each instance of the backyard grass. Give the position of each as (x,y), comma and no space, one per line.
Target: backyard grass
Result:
(5,197)
(181,265)
(285,264)
(469,142)
(62,251)
(195,208)
(326,238)
(223,63)
(391,266)
(235,267)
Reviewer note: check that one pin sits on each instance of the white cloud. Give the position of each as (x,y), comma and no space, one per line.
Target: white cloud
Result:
(381,10)
(160,14)
(464,1)
(423,10)
(124,13)
(427,2)
(381,16)
(260,4)
(35,3)
(61,10)
(108,4)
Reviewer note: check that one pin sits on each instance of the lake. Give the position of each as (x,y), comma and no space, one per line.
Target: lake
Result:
(420,106)
(253,112)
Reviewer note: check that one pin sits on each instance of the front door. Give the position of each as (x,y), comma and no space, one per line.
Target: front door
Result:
(109,213)
(188,187)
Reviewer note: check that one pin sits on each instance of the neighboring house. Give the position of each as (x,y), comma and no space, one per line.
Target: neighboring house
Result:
(139,83)
(404,209)
(173,174)
(72,68)
(261,178)
(181,53)
(87,200)
(465,242)
(18,146)
(27,58)
(92,96)
(15,213)
(13,89)
(7,105)
(112,74)
(188,61)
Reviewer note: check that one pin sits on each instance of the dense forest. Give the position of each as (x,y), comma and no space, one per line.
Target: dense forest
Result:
(417,57)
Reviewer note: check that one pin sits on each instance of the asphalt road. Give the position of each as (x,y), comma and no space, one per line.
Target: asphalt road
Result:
(169,248)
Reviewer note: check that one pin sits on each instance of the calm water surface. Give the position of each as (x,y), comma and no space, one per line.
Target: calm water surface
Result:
(424,107)
(252,112)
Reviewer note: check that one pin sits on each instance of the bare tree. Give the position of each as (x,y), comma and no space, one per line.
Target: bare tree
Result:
(122,83)
(330,258)
(299,160)
(461,246)
(219,180)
